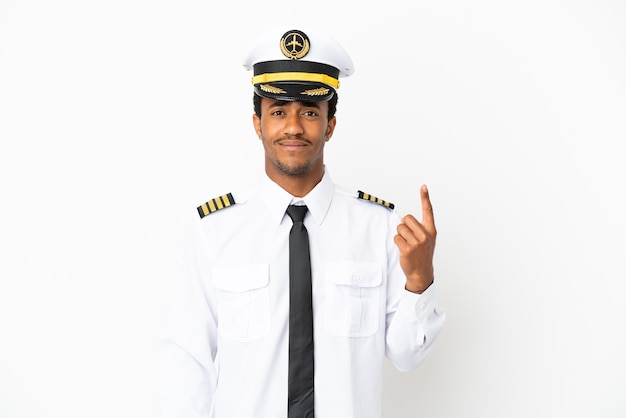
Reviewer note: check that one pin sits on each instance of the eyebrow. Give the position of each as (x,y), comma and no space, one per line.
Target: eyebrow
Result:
(279,103)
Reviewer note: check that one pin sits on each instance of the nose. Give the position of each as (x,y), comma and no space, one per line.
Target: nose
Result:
(293,124)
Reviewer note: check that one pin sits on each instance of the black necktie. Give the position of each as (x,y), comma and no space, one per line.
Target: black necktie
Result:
(300,318)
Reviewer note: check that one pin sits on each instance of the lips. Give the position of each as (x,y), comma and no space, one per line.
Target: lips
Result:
(293,144)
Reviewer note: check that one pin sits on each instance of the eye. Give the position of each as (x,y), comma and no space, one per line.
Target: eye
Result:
(278,112)
(310,113)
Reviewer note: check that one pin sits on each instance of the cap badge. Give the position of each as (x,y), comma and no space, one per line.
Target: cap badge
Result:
(294,44)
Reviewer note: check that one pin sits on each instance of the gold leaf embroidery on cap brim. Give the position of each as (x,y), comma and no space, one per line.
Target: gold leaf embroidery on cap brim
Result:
(271,89)
(322,91)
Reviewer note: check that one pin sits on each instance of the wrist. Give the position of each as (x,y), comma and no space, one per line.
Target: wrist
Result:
(417,288)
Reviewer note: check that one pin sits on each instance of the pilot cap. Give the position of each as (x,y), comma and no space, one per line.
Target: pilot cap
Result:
(298,64)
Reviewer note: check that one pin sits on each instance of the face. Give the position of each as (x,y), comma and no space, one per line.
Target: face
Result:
(294,135)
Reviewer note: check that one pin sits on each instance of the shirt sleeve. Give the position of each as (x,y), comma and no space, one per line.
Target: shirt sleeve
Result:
(413,321)
(188,347)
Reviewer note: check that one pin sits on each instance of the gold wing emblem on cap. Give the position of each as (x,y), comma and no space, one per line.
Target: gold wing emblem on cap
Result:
(271,89)
(322,91)
(294,44)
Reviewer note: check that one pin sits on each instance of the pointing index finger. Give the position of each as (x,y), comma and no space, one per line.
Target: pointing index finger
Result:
(428,219)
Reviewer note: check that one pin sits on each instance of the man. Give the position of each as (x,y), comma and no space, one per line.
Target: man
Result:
(266,324)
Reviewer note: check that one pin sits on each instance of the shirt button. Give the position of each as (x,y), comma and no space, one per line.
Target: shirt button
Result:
(356,277)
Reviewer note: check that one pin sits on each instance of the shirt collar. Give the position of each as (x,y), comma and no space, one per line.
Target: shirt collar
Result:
(317,200)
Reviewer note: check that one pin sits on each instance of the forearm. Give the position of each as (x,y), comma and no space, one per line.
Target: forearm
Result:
(413,327)
(188,346)
(187,385)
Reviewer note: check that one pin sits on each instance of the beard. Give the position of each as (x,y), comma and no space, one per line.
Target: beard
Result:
(290,168)
(293,170)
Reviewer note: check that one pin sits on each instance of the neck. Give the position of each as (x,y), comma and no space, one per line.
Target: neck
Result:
(297,186)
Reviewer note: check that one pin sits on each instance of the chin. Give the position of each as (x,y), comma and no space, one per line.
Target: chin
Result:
(294,170)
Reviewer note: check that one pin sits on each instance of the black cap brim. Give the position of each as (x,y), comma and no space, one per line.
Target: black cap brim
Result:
(295,91)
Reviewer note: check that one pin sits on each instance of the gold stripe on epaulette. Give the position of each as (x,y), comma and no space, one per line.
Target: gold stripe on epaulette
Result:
(370,198)
(216,204)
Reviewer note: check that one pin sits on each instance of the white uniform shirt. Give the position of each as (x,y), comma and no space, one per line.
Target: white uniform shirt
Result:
(225,350)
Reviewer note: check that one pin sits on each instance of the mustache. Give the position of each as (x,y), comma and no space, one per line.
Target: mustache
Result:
(293,138)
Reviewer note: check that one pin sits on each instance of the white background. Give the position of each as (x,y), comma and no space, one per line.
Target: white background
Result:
(118,116)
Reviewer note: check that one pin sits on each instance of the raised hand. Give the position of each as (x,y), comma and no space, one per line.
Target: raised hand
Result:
(416,242)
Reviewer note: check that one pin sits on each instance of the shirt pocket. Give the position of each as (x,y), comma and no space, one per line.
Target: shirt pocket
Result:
(353,292)
(243,301)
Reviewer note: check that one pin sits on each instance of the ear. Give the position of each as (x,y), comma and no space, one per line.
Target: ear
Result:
(256,121)
(331,128)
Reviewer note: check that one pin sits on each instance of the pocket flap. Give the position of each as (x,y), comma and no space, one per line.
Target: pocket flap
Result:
(355,274)
(241,278)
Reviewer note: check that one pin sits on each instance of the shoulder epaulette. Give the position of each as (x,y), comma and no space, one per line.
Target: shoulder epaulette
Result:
(370,198)
(216,204)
